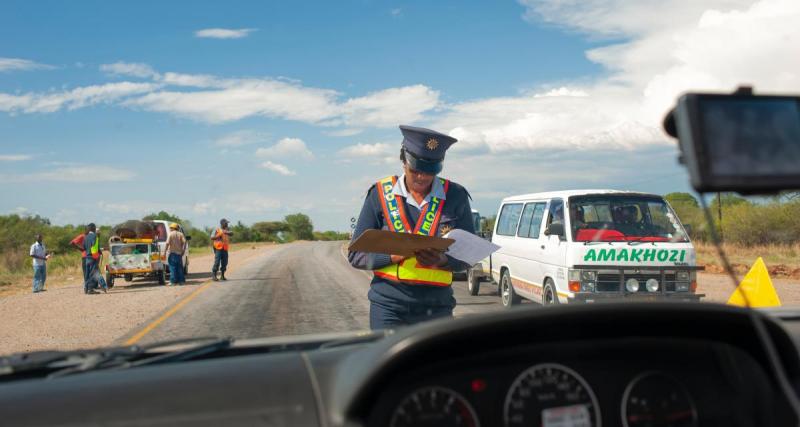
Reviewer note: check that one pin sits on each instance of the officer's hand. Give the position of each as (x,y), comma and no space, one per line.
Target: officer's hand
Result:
(431,257)
(397,259)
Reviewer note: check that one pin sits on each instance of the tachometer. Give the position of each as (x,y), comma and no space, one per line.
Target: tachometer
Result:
(434,406)
(657,400)
(551,395)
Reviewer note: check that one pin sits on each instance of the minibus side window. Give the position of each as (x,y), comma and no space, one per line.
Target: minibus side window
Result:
(536,221)
(525,221)
(509,217)
(531,221)
(556,212)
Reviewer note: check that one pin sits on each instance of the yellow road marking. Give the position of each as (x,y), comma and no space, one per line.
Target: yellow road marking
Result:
(134,339)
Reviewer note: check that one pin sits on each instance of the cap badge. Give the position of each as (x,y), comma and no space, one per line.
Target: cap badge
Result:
(432,144)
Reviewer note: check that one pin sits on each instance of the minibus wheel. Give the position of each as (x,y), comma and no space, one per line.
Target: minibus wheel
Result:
(549,295)
(507,294)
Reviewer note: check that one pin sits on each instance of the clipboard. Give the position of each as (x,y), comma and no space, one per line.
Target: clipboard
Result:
(391,243)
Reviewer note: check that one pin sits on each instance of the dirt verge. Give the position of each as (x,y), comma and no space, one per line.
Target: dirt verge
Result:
(65,318)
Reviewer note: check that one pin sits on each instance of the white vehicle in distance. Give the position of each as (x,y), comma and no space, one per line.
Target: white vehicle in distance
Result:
(612,245)
(162,231)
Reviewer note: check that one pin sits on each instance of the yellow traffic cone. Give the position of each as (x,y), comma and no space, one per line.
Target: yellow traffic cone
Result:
(756,289)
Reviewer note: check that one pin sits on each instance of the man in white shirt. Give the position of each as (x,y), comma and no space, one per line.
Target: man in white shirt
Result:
(40,257)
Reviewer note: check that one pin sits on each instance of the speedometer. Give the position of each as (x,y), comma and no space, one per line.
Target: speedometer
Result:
(434,407)
(656,400)
(551,395)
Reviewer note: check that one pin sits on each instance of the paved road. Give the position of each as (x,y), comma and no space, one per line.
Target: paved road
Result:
(301,288)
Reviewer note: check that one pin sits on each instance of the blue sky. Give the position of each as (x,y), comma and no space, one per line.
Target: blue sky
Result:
(253,110)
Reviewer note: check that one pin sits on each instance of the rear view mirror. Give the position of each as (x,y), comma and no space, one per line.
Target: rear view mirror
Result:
(738,142)
(555,229)
(188,237)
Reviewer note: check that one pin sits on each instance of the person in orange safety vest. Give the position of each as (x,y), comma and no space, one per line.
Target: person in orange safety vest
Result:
(220,239)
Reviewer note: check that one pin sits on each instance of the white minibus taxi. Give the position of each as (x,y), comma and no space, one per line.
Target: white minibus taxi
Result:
(591,246)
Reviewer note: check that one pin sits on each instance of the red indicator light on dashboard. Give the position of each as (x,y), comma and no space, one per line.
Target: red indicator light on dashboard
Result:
(478,385)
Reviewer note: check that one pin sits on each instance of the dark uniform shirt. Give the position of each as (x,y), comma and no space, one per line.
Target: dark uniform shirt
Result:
(456,213)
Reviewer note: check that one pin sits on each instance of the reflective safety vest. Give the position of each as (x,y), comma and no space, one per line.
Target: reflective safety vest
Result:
(223,243)
(410,271)
(95,249)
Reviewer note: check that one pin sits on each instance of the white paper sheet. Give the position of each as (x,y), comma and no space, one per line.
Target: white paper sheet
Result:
(469,247)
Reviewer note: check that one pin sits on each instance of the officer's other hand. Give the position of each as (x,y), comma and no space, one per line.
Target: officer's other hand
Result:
(431,257)
(397,259)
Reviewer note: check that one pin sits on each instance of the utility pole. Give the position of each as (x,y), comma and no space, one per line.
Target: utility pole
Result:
(719,214)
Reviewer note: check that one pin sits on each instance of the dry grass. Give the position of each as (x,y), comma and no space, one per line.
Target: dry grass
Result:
(60,268)
(781,260)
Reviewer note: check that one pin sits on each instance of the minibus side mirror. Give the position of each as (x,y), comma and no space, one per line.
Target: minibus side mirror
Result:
(555,229)
(188,237)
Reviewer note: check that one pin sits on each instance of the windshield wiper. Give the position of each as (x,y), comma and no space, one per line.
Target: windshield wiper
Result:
(56,364)
(137,358)
(184,354)
(639,241)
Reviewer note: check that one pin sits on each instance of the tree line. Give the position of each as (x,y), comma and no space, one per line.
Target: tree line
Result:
(738,220)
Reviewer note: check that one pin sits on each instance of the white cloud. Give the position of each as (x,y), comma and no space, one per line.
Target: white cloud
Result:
(72,174)
(192,80)
(671,46)
(382,152)
(370,150)
(21,211)
(239,99)
(203,208)
(277,168)
(129,69)
(17,64)
(622,17)
(397,12)
(214,100)
(252,203)
(345,132)
(49,102)
(286,147)
(14,157)
(224,100)
(240,138)
(390,107)
(224,33)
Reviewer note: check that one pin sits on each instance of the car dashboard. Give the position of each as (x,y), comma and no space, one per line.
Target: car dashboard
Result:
(628,382)
(632,365)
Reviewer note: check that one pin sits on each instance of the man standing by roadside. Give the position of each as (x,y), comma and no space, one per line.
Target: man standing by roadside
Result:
(221,240)
(77,243)
(91,257)
(173,251)
(40,257)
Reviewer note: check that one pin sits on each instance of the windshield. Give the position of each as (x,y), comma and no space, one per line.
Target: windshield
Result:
(161,231)
(624,218)
(276,134)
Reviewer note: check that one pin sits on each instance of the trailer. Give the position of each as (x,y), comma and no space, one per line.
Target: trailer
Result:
(136,257)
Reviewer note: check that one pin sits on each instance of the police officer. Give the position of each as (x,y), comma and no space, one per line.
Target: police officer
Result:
(405,291)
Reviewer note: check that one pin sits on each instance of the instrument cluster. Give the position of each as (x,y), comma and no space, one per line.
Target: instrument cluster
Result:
(666,385)
(554,395)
